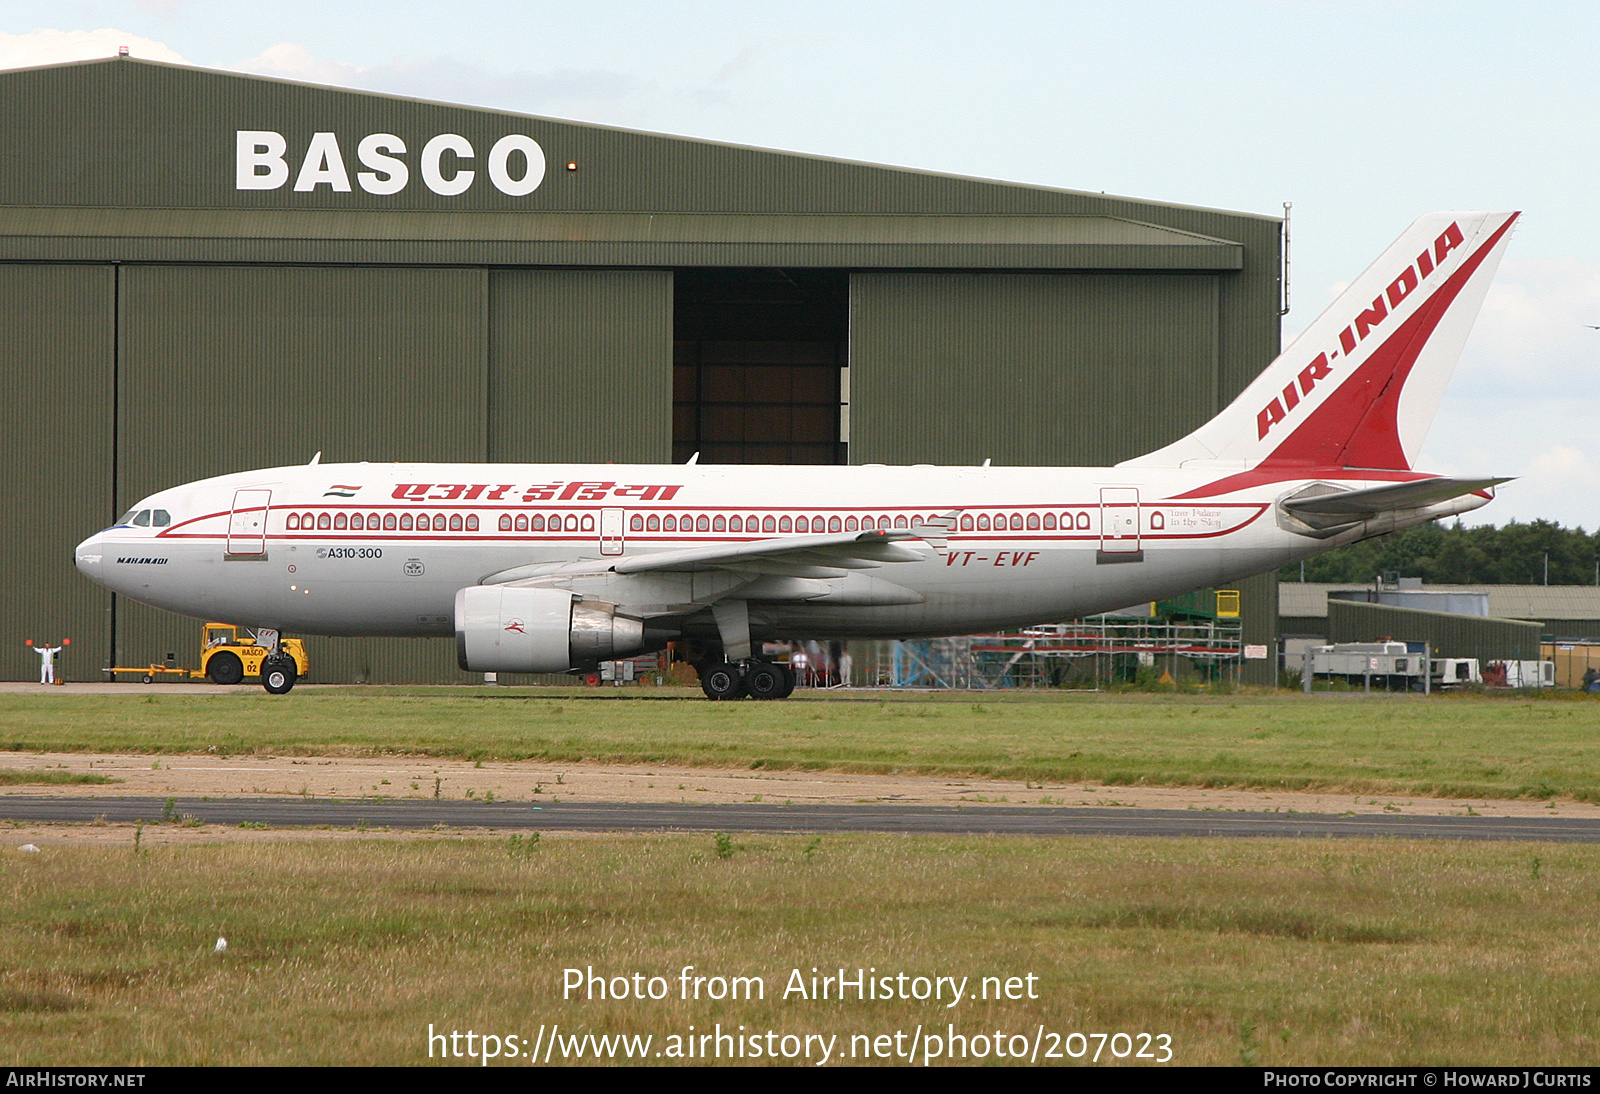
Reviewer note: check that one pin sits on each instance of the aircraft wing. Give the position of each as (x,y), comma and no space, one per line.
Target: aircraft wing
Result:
(790,556)
(1352,505)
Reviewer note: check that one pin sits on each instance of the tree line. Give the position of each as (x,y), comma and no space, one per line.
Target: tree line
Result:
(1457,555)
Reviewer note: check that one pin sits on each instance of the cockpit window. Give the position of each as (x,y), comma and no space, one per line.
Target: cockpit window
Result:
(143,519)
(127,518)
(160,518)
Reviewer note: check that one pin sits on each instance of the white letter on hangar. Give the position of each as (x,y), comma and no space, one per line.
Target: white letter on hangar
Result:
(433,150)
(388,175)
(255,149)
(323,165)
(533,173)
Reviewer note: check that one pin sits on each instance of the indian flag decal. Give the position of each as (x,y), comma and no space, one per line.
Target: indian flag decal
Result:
(340,490)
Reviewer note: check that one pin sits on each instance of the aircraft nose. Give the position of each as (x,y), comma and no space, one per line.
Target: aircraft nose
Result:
(88,557)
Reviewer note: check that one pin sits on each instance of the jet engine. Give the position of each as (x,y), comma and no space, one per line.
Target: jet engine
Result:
(502,629)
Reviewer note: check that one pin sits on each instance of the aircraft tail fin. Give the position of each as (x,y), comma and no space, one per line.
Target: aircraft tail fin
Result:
(1360,386)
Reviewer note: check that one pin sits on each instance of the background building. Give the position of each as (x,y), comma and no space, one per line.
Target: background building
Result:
(202,272)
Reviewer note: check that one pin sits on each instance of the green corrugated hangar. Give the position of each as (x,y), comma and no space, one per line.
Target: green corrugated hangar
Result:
(203,272)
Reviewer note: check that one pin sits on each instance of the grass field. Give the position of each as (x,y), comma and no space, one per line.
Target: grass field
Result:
(1455,746)
(1258,951)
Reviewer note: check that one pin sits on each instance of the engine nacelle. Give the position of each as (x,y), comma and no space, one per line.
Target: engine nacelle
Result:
(500,629)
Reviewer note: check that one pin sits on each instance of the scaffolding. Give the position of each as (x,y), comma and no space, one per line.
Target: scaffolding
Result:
(1084,654)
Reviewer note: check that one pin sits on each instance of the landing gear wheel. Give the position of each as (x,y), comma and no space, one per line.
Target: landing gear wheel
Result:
(225,668)
(721,680)
(278,674)
(765,680)
(788,682)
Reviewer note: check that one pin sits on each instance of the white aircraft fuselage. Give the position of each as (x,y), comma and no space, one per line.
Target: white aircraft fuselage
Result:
(1085,540)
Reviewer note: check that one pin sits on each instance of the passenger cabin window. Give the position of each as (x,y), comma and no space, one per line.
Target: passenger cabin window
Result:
(536,522)
(1016,522)
(424,522)
(324,521)
(388,522)
(636,523)
(653,524)
(983,522)
(701,524)
(505,522)
(1033,522)
(735,524)
(850,524)
(669,523)
(588,522)
(292,522)
(456,523)
(719,524)
(785,524)
(769,524)
(900,522)
(405,522)
(802,524)
(357,522)
(472,522)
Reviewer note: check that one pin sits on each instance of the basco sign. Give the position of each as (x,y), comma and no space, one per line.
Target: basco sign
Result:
(447,163)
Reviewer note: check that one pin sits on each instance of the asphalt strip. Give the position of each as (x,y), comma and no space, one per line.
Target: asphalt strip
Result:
(668,817)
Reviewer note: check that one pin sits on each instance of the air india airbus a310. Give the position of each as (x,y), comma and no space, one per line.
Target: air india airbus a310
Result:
(556,567)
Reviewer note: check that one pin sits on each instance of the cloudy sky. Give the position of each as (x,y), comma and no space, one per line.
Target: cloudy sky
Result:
(1363,113)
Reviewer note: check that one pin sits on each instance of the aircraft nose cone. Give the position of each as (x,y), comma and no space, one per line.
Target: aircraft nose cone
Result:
(88,557)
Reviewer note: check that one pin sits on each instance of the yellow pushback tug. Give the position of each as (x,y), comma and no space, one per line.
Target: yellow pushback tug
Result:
(225,658)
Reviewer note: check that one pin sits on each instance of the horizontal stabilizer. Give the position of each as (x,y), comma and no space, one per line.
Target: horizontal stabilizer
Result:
(1355,505)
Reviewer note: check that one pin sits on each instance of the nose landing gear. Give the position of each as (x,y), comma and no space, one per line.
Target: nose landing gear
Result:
(278,674)
(278,669)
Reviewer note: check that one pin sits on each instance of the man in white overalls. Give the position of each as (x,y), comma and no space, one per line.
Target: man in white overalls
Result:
(47,663)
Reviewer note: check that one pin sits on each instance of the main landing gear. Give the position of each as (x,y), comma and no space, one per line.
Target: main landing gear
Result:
(737,679)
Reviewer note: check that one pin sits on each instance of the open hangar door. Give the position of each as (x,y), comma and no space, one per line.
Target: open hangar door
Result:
(758,360)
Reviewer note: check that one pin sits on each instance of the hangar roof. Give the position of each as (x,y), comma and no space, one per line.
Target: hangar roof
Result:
(579,238)
(1306,600)
(140,160)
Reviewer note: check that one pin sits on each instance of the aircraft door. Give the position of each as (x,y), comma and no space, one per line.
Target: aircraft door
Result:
(611,541)
(1119,525)
(247,524)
